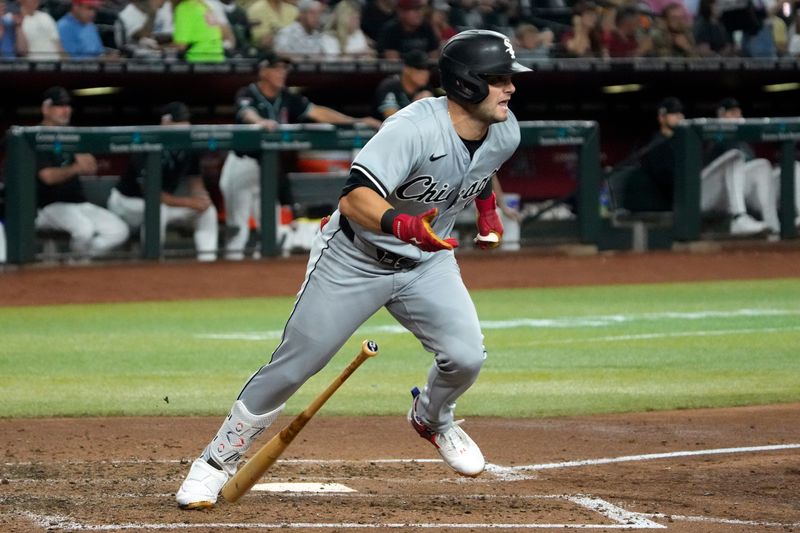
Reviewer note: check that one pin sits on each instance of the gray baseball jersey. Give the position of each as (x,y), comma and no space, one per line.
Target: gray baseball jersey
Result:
(416,161)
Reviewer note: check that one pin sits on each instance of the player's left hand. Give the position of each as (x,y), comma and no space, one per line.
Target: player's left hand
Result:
(490,228)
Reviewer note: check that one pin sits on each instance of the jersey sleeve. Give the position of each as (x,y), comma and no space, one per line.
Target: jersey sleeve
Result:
(391,155)
(358,179)
(298,106)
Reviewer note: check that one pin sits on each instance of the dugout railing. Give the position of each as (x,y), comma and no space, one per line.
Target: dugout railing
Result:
(24,143)
(690,136)
(584,135)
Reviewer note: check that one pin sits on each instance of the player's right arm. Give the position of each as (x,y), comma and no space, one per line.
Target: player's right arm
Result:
(367,208)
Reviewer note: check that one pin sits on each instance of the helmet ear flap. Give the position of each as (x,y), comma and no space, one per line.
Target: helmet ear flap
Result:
(459,83)
(472,88)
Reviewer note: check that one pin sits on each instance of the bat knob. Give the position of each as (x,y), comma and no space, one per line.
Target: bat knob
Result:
(370,347)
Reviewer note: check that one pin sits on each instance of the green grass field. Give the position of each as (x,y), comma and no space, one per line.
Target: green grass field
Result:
(558,351)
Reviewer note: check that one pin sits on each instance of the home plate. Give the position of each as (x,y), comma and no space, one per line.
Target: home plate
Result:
(302,487)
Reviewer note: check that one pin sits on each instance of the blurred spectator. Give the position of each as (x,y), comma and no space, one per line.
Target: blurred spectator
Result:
(626,40)
(497,14)
(672,36)
(657,7)
(396,92)
(778,25)
(268,17)
(530,43)
(793,33)
(221,17)
(12,38)
(198,32)
(345,26)
(240,27)
(266,102)
(184,198)
(440,21)
(62,205)
(481,14)
(79,35)
(40,33)
(374,16)
(585,38)
(761,42)
(303,37)
(710,36)
(144,27)
(409,31)
(465,14)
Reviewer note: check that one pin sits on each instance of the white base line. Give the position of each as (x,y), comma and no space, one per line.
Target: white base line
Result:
(515,470)
(713,520)
(491,468)
(624,520)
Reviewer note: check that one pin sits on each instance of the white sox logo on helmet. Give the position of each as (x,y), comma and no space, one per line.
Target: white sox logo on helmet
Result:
(509,48)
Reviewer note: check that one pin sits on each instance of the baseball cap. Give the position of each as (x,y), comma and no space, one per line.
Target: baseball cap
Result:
(56,96)
(177,112)
(726,104)
(270,59)
(410,4)
(670,105)
(416,59)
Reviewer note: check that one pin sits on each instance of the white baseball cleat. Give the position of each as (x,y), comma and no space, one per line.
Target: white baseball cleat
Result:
(201,486)
(744,224)
(457,449)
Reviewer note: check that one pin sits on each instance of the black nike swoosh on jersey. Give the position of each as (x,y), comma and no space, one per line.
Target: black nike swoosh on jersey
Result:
(435,158)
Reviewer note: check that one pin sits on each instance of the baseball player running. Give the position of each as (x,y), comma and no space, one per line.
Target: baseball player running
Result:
(388,245)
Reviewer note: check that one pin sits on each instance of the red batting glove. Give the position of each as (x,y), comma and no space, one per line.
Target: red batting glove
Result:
(417,230)
(490,228)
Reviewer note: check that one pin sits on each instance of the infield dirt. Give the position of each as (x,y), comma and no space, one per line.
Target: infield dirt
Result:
(121,473)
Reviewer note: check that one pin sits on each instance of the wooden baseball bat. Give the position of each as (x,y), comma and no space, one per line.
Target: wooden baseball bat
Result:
(253,469)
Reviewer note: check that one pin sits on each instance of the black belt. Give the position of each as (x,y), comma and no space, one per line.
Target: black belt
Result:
(384,257)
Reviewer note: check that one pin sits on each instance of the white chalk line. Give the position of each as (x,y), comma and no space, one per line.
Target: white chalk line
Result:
(715,520)
(508,472)
(622,520)
(490,467)
(560,323)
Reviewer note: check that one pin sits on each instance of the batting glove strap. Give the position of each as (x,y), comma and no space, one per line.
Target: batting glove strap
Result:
(417,230)
(488,222)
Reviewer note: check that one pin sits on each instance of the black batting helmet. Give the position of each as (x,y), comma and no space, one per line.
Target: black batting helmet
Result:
(470,56)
